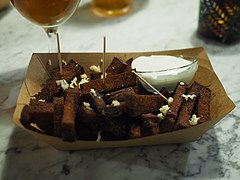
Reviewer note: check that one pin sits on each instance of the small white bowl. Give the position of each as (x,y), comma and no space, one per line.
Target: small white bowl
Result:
(165,71)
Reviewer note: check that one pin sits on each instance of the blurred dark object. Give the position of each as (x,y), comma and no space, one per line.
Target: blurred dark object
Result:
(220,20)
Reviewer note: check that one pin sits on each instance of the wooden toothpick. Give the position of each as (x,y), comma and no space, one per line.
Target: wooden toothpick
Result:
(104,57)
(153,88)
(59,54)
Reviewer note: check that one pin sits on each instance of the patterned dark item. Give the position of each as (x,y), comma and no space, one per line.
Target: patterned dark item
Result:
(220,20)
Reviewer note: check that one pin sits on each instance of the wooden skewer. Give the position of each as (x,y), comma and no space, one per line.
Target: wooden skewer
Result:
(59,54)
(104,57)
(153,88)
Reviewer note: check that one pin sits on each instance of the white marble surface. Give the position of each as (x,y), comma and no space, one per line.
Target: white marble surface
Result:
(153,25)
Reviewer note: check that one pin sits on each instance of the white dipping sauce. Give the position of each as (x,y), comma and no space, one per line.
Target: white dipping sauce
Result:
(164,71)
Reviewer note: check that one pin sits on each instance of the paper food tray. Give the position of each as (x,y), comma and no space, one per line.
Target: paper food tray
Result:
(37,74)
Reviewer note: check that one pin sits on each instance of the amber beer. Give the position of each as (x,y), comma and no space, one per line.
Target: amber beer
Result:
(46,13)
(111,7)
(4,4)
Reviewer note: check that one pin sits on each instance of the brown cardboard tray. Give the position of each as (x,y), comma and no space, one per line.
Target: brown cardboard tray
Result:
(37,74)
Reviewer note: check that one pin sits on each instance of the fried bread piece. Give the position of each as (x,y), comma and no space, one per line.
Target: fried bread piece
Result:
(142,104)
(168,122)
(117,95)
(118,126)
(114,110)
(58,115)
(69,116)
(71,70)
(149,124)
(112,82)
(135,131)
(187,107)
(41,114)
(202,109)
(117,66)
(51,89)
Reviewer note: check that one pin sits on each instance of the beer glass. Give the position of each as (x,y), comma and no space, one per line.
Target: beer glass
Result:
(48,14)
(111,7)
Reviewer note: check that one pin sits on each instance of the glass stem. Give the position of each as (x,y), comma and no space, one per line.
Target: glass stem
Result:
(51,34)
(54,44)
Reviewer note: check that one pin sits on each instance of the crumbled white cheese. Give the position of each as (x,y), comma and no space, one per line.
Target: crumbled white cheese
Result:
(73,82)
(99,137)
(160,116)
(49,62)
(76,65)
(191,96)
(115,103)
(102,75)
(193,120)
(58,82)
(87,106)
(41,100)
(164,109)
(63,84)
(95,68)
(64,62)
(94,93)
(170,100)
(182,83)
(84,79)
(83,76)
(101,60)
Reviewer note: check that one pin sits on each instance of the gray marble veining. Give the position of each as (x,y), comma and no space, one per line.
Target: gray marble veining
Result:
(153,25)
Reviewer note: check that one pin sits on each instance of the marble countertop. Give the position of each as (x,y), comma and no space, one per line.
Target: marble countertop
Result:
(152,26)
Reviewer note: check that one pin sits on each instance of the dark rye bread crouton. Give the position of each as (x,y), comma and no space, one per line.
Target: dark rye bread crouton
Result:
(135,131)
(25,116)
(129,61)
(84,131)
(71,70)
(94,84)
(87,115)
(51,89)
(114,111)
(187,107)
(142,104)
(202,108)
(119,81)
(112,82)
(68,122)
(149,124)
(168,122)
(69,116)
(94,98)
(39,113)
(72,92)
(117,95)
(117,66)
(118,126)
(58,115)
(95,75)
